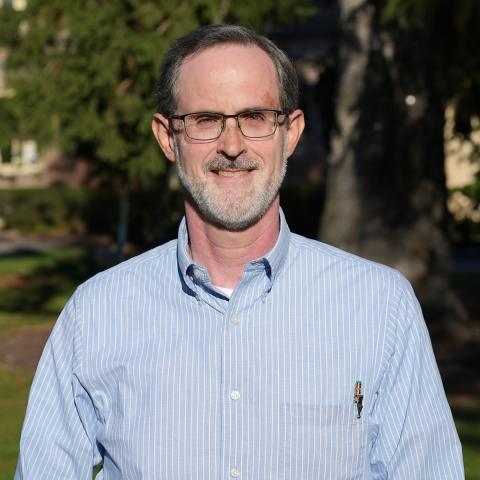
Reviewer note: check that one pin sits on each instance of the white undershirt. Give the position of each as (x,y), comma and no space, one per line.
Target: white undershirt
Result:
(226,291)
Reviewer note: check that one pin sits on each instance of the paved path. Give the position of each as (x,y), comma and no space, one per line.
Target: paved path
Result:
(13,244)
(23,347)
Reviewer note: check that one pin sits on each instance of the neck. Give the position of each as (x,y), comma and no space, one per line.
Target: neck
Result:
(225,253)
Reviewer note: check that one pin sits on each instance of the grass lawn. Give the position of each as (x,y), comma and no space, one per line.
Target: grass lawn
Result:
(26,263)
(467,420)
(33,288)
(40,283)
(14,321)
(14,387)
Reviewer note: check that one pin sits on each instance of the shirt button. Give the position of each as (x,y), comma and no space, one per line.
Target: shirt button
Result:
(235,319)
(235,395)
(235,472)
(197,273)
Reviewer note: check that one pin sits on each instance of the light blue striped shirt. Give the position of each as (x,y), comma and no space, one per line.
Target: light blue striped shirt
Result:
(152,370)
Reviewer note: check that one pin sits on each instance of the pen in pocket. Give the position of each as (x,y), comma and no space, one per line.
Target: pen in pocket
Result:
(358,398)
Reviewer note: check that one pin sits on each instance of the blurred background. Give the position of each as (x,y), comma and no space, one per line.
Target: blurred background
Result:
(388,168)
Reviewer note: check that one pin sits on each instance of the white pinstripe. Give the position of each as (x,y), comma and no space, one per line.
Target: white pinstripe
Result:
(141,362)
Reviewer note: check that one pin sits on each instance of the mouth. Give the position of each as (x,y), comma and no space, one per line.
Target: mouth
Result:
(232,172)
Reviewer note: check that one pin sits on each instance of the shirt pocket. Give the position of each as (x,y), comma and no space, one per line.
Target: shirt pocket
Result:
(323,442)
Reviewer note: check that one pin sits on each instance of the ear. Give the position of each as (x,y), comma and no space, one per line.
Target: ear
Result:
(164,135)
(295,129)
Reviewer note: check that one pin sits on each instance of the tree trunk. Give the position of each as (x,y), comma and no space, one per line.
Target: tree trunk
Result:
(385,196)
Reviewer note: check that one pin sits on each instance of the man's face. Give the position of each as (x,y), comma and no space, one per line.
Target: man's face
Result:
(232,180)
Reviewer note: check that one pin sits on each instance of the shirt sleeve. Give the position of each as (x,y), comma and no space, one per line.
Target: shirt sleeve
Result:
(415,433)
(58,435)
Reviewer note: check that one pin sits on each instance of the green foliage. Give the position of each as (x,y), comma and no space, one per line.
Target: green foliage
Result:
(467,229)
(42,282)
(27,263)
(14,387)
(473,192)
(49,210)
(259,15)
(7,124)
(84,71)
(467,420)
(9,25)
(154,215)
(9,29)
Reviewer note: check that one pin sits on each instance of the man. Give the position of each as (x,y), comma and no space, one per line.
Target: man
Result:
(239,350)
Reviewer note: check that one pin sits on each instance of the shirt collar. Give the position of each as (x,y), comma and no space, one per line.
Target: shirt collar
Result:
(277,255)
(272,261)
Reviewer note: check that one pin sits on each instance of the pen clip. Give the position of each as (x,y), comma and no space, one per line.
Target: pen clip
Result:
(358,398)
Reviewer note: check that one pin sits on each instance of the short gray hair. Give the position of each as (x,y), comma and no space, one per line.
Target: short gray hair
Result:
(210,36)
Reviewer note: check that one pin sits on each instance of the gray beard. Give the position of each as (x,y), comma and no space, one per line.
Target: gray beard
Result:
(231,212)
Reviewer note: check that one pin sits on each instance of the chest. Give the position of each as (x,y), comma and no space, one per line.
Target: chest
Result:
(268,387)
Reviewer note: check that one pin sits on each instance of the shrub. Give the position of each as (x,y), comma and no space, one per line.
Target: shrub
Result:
(57,210)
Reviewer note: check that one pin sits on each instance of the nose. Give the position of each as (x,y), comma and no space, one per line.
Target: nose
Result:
(231,142)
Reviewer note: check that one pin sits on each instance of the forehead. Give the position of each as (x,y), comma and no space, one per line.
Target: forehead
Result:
(227,78)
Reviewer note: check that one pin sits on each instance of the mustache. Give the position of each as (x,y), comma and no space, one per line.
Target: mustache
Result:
(240,163)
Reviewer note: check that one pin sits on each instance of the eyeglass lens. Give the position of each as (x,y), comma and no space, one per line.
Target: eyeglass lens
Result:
(208,126)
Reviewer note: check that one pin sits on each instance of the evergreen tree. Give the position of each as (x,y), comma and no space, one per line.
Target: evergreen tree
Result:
(83,74)
(83,71)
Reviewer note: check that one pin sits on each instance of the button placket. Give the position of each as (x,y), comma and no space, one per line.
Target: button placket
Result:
(234,374)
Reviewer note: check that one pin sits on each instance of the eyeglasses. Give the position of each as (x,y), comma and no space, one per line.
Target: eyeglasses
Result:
(209,126)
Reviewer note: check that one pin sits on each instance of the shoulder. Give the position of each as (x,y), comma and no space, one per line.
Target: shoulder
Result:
(307,249)
(344,269)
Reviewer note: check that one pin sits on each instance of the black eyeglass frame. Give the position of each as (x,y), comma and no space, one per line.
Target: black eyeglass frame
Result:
(224,118)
